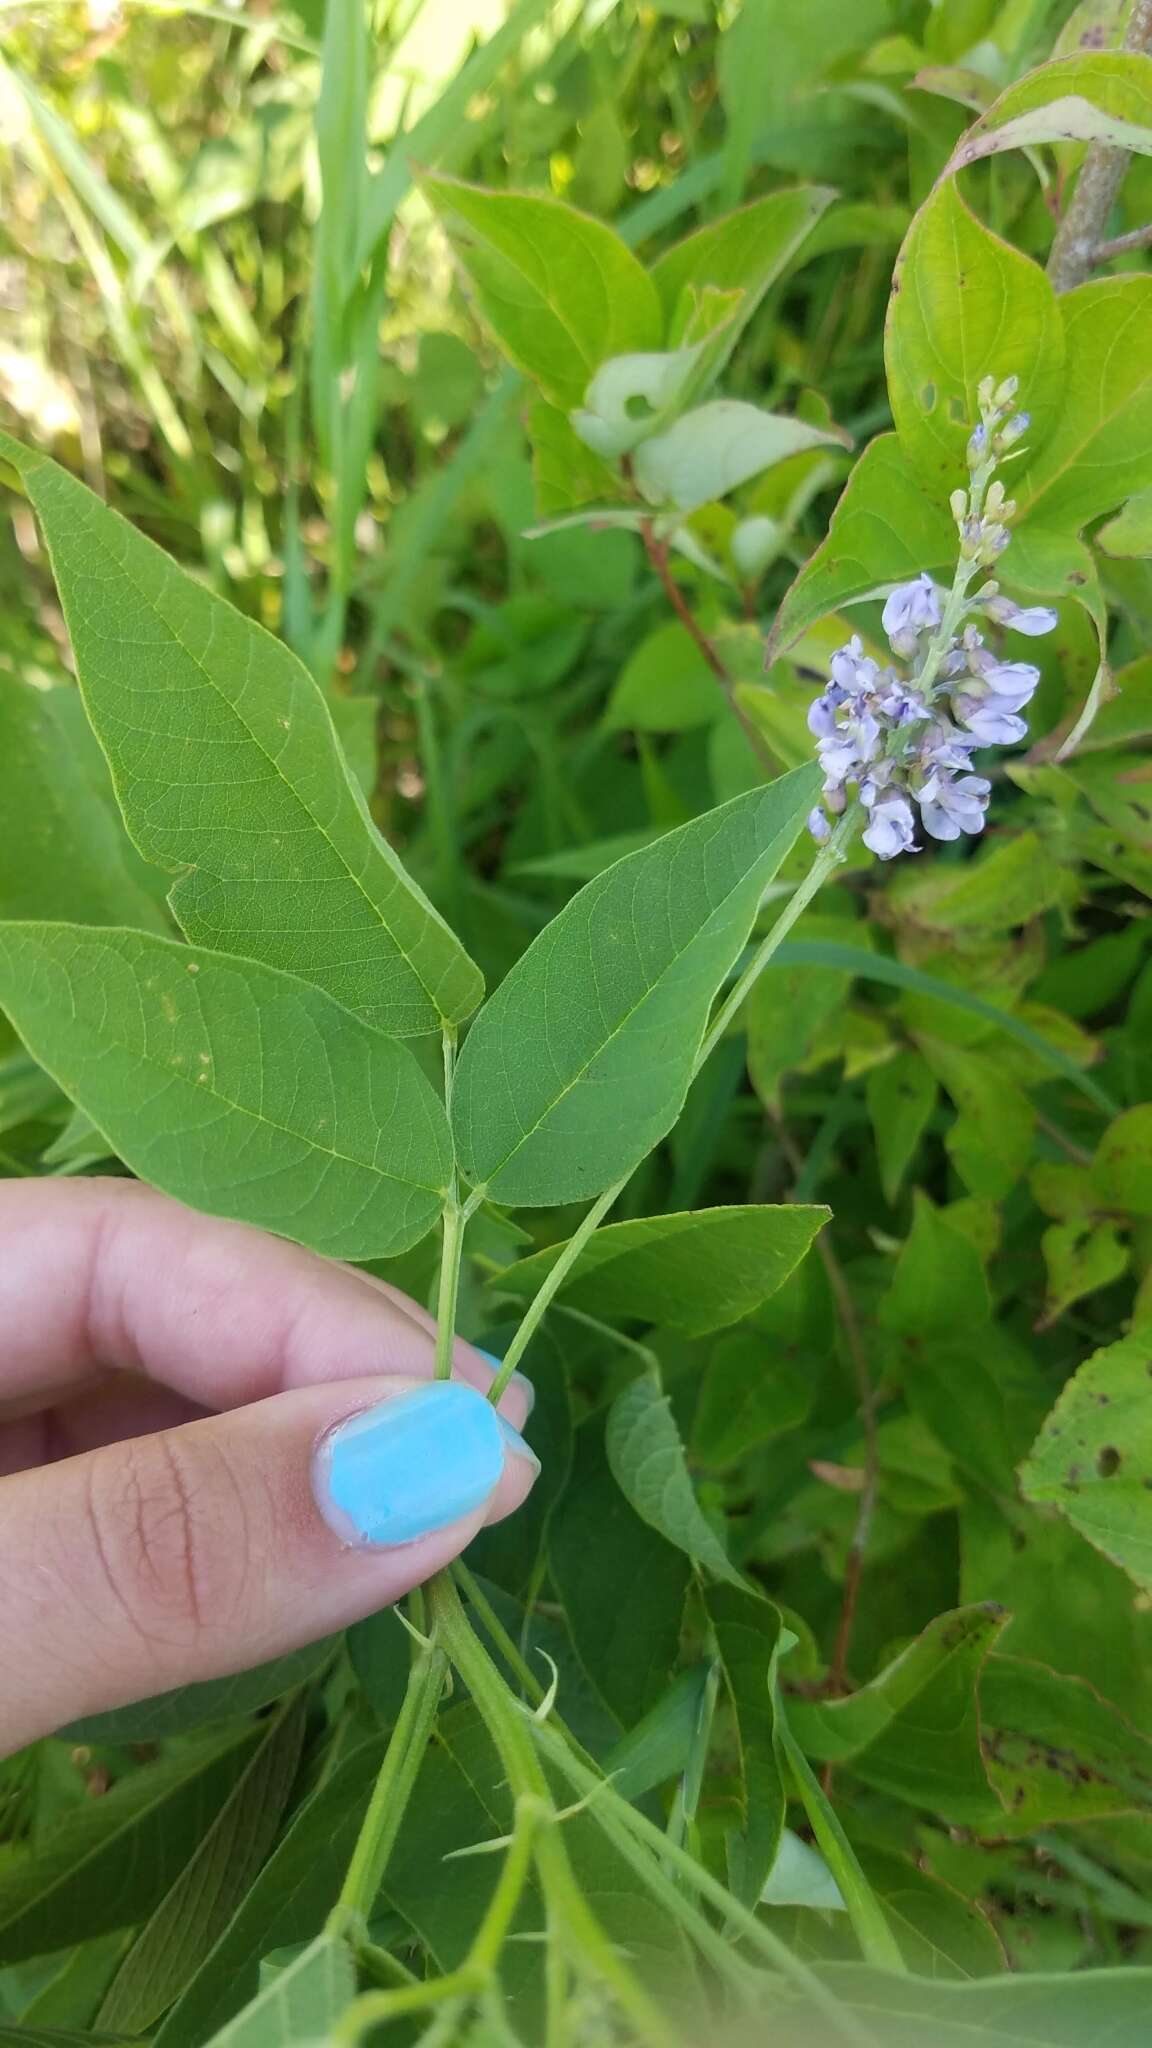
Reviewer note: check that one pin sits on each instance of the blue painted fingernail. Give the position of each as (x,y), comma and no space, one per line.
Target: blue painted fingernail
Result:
(518,1379)
(412,1464)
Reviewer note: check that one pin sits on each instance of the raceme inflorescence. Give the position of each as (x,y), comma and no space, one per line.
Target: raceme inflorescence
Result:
(909,739)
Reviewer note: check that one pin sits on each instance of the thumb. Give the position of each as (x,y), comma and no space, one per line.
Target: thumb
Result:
(213,1547)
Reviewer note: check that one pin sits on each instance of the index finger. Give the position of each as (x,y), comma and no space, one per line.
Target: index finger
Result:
(98,1275)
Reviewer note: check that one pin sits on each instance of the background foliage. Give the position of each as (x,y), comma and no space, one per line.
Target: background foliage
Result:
(300,367)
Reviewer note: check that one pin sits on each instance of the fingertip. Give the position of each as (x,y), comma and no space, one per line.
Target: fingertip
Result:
(519,1396)
(416,1462)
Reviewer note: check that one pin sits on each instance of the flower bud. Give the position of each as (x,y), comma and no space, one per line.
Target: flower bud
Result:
(1012,431)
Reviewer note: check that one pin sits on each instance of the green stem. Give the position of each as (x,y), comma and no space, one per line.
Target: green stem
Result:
(392,1791)
(682,1822)
(877,1941)
(475,1972)
(552,1282)
(828,858)
(826,861)
(450,1257)
(502,1641)
(632,1833)
(511,1732)
(453,1221)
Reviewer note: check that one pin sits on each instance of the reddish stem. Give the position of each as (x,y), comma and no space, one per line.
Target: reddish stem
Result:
(657,553)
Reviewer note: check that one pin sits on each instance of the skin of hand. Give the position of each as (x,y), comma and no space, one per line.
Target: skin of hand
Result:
(214,1447)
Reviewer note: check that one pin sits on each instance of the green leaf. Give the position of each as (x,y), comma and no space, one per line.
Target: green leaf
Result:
(938,1286)
(1079,1259)
(1128,715)
(182,1929)
(1093,1457)
(897,974)
(1122,1168)
(1100,450)
(213,1699)
(73,1992)
(581,1060)
(748,1633)
(1130,532)
(789,1009)
(20,2036)
(279,1107)
(1056,1751)
(301,2003)
(60,853)
(659,1746)
(287,1903)
(276,854)
(627,1647)
(566,472)
(1071,1609)
(800,1877)
(990,1143)
(886,528)
(746,252)
(965,305)
(665,686)
(650,1467)
(1055,566)
(632,397)
(940,1932)
(752,1391)
(901,1096)
(914,1731)
(695,1272)
(561,292)
(717,447)
(1101,2008)
(1105,96)
(103,1865)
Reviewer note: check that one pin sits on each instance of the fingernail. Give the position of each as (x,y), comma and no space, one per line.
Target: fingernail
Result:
(412,1464)
(518,1379)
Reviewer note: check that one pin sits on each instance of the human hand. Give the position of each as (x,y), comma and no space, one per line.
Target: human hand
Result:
(178,1499)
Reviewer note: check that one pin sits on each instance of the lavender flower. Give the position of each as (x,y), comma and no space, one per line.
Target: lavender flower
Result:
(910,609)
(1032,620)
(891,828)
(905,741)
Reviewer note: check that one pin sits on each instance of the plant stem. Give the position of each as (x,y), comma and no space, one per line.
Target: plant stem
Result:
(453,1220)
(1122,245)
(628,1826)
(552,1282)
(575,1923)
(877,1941)
(392,1791)
(450,1256)
(826,861)
(1078,239)
(657,553)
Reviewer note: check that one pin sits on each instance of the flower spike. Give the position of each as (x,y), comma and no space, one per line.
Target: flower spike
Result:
(905,741)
